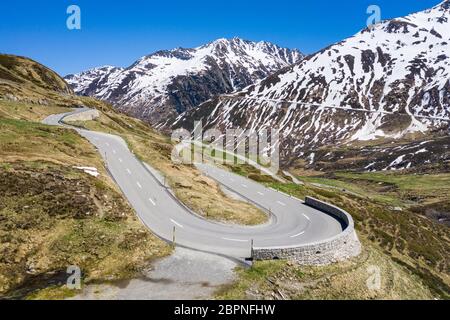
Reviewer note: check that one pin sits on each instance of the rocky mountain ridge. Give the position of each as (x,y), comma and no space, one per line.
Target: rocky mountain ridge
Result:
(166,83)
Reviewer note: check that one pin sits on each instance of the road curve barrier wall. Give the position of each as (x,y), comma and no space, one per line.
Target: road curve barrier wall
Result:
(338,248)
(83,116)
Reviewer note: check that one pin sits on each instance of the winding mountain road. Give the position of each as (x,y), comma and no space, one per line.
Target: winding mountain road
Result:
(291,223)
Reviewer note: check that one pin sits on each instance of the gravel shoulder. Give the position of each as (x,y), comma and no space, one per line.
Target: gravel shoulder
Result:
(186,274)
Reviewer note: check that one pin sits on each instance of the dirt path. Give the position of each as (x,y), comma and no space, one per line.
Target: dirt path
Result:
(186,274)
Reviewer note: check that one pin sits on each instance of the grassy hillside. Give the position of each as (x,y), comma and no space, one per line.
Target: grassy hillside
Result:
(283,280)
(24,81)
(400,232)
(26,72)
(53,215)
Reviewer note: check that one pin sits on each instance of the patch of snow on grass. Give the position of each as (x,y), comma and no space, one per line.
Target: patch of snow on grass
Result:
(89,170)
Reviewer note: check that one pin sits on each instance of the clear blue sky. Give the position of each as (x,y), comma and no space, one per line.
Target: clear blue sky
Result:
(119,32)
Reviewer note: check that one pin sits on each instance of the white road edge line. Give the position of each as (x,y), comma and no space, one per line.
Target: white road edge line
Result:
(174,222)
(237,240)
(298,234)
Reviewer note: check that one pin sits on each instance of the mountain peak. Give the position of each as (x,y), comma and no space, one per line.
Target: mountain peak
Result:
(444,5)
(183,78)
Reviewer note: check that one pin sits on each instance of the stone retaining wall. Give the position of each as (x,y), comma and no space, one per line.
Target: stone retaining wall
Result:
(83,116)
(340,247)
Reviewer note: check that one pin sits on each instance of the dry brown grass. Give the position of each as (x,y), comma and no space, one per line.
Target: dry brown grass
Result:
(34,142)
(24,111)
(345,280)
(52,216)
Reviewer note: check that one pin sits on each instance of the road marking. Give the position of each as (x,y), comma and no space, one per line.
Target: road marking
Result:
(237,240)
(260,193)
(139,185)
(107,144)
(307,218)
(298,234)
(128,170)
(174,222)
(153,202)
(120,160)
(283,204)
(244,186)
(114,151)
(231,179)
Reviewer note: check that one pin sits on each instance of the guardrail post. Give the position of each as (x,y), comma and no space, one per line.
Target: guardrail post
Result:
(173,238)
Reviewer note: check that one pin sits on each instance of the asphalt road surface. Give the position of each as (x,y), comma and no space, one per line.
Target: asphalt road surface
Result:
(291,223)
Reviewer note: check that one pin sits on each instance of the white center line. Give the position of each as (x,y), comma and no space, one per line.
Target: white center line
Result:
(307,218)
(128,170)
(260,193)
(139,185)
(244,186)
(107,144)
(120,160)
(153,202)
(283,204)
(237,240)
(114,151)
(231,180)
(298,234)
(174,222)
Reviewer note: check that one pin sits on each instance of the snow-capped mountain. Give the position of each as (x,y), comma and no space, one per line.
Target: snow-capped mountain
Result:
(381,83)
(167,83)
